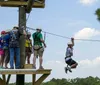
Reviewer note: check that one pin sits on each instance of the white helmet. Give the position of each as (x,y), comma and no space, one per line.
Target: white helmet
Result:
(28,33)
(69,43)
(8,30)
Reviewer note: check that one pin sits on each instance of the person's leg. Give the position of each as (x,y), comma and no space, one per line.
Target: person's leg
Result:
(27,54)
(34,59)
(68,62)
(0,61)
(7,57)
(28,58)
(74,64)
(41,61)
(41,58)
(17,54)
(3,57)
(11,58)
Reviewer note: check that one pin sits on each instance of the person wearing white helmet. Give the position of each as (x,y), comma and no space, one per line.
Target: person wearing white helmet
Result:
(38,47)
(68,59)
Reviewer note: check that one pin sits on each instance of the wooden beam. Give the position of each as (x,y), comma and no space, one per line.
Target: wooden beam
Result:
(25,71)
(41,79)
(29,6)
(8,79)
(20,3)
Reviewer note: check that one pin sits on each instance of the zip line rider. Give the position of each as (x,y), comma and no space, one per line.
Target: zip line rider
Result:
(71,64)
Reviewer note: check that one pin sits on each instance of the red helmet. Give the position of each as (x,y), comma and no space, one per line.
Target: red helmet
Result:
(3,32)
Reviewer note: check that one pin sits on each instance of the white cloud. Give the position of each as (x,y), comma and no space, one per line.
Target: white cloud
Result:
(90,63)
(87,2)
(86,33)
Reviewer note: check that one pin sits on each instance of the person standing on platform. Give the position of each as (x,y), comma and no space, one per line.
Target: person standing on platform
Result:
(6,57)
(38,48)
(14,48)
(1,49)
(28,47)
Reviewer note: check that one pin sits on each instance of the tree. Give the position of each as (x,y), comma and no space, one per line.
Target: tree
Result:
(98,14)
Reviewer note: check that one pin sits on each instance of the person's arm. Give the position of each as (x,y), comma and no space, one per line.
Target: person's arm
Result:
(72,39)
(43,42)
(30,42)
(41,38)
(22,31)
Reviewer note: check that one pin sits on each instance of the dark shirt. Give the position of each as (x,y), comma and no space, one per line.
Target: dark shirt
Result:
(14,39)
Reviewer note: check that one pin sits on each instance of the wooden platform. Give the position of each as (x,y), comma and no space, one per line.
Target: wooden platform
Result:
(45,73)
(25,71)
(20,3)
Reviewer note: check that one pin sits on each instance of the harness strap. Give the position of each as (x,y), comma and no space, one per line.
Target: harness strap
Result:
(38,48)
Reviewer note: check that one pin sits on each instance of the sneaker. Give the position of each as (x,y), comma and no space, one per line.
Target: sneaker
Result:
(69,69)
(41,67)
(11,67)
(66,69)
(34,67)
(1,67)
(6,67)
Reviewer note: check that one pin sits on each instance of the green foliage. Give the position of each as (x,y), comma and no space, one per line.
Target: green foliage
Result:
(77,81)
(98,14)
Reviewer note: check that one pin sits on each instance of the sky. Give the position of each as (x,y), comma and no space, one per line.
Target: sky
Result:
(70,18)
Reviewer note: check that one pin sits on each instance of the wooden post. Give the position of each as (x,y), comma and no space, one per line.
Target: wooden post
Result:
(2,82)
(4,79)
(22,23)
(33,79)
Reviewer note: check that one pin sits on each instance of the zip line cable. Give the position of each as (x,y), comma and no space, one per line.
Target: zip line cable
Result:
(63,36)
(26,19)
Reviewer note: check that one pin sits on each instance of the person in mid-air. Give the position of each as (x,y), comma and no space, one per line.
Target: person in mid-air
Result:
(71,64)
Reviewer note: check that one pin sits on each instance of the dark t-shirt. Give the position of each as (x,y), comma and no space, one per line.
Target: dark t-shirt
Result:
(14,39)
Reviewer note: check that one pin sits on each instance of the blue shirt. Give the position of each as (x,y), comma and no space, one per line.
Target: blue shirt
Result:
(6,40)
(1,43)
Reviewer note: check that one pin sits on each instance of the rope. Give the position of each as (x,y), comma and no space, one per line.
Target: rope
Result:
(26,19)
